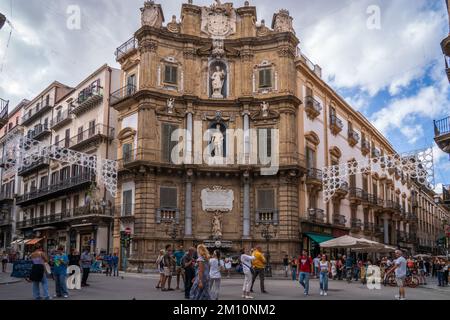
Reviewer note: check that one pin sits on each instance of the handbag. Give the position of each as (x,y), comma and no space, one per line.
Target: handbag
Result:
(252,270)
(47,268)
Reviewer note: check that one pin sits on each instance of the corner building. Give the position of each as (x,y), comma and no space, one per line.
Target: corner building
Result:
(220,68)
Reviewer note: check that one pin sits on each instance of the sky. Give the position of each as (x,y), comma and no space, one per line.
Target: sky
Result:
(382,56)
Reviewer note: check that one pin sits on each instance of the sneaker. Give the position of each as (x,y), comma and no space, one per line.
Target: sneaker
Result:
(243,296)
(66,296)
(402,298)
(305,293)
(325,293)
(397,297)
(321,292)
(249,297)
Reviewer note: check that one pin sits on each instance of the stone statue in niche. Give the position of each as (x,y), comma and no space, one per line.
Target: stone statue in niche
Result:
(217,226)
(265,109)
(217,141)
(170,105)
(217,82)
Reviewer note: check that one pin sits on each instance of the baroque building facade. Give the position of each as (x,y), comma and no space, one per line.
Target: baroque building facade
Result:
(217,70)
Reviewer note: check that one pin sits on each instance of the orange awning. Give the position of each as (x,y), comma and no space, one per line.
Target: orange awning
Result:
(33,241)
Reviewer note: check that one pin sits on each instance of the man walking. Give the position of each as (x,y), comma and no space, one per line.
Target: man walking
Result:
(179,254)
(286,265)
(188,262)
(86,263)
(304,269)
(400,274)
(60,262)
(169,264)
(259,264)
(115,264)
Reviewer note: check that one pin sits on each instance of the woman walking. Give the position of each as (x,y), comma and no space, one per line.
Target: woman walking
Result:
(37,275)
(160,268)
(246,261)
(294,268)
(4,261)
(200,288)
(324,269)
(216,266)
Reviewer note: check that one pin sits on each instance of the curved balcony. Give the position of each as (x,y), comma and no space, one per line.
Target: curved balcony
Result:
(122,97)
(312,107)
(316,215)
(3,112)
(339,220)
(355,225)
(356,195)
(353,138)
(342,191)
(442,134)
(126,49)
(365,147)
(336,124)
(368,228)
(314,178)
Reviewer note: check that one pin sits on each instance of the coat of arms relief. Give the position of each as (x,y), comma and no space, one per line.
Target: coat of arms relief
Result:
(219,20)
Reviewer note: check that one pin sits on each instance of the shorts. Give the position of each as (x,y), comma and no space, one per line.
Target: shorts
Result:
(167,272)
(179,270)
(400,281)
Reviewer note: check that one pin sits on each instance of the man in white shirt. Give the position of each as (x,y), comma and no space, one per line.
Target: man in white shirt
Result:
(316,261)
(400,274)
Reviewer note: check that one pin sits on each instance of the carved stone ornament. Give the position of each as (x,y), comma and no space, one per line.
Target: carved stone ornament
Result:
(152,15)
(170,105)
(217,199)
(173,26)
(218,50)
(265,109)
(282,22)
(219,20)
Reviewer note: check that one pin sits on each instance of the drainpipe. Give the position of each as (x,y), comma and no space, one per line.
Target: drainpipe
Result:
(106,156)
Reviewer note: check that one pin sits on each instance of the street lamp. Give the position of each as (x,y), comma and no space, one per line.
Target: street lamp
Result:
(268,235)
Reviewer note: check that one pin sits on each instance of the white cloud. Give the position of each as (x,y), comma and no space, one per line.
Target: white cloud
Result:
(413,133)
(353,56)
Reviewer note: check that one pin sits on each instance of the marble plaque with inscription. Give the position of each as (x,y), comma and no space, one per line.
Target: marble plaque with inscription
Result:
(217,199)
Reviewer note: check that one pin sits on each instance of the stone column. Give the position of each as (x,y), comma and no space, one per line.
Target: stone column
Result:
(246,137)
(246,213)
(188,206)
(189,126)
(386,229)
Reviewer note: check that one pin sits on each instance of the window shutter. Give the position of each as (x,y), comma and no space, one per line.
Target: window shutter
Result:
(126,152)
(127,203)
(173,75)
(265,78)
(308,92)
(266,199)
(165,142)
(168,197)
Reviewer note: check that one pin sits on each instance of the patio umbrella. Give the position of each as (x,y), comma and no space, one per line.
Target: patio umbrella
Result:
(422,256)
(376,248)
(347,242)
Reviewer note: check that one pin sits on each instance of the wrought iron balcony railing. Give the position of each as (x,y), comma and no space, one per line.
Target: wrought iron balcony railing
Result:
(39,131)
(122,94)
(88,98)
(336,124)
(61,119)
(312,107)
(339,220)
(314,174)
(365,146)
(356,224)
(3,110)
(35,112)
(86,136)
(316,215)
(31,165)
(126,48)
(441,127)
(356,194)
(353,137)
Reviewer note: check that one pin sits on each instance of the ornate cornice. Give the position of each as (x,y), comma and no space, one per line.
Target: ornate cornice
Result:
(148,45)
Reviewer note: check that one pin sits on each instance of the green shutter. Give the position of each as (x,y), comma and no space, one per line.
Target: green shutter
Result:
(168,198)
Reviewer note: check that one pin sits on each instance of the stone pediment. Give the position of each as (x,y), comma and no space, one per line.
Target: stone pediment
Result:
(219,20)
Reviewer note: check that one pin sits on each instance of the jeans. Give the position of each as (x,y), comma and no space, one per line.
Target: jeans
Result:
(61,285)
(116,271)
(357,271)
(440,276)
(304,281)
(214,288)
(85,275)
(324,281)
(316,271)
(37,291)
(258,272)
(190,274)
(294,274)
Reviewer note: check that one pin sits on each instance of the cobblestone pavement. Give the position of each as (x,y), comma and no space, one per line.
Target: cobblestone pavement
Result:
(142,287)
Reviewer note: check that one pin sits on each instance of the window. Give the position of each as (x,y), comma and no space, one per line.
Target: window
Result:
(76,200)
(310,158)
(25,188)
(167,144)
(54,178)
(265,199)
(265,142)
(91,128)
(127,198)
(59,115)
(375,189)
(126,152)
(308,92)
(44,182)
(42,211)
(168,198)
(76,170)
(352,179)
(131,84)
(67,139)
(52,207)
(365,183)
(47,100)
(64,174)
(33,186)
(80,134)
(265,78)
(63,205)
(10,125)
(57,140)
(17,121)
(170,74)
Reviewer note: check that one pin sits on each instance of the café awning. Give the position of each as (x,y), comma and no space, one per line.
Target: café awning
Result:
(319,238)
(347,242)
(33,241)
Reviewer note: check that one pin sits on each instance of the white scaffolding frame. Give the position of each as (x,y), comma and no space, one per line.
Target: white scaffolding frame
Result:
(417,165)
(21,151)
